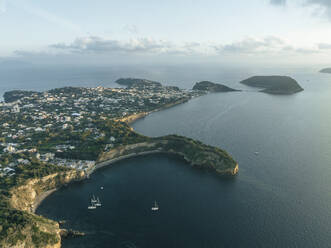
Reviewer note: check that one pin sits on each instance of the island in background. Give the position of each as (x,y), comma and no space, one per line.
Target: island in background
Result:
(326,70)
(282,85)
(212,87)
(53,138)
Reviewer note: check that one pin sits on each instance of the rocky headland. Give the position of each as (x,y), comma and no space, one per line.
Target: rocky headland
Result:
(212,87)
(281,85)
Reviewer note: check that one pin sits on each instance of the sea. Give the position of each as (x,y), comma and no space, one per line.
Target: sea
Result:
(280,198)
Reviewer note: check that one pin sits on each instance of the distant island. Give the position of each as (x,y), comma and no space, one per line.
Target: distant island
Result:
(137,82)
(212,87)
(325,70)
(282,85)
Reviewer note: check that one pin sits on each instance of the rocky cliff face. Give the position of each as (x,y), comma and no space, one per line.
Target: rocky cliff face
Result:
(39,232)
(24,197)
(195,153)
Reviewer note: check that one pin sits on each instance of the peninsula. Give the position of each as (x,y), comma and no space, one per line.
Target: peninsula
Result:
(212,87)
(282,85)
(50,139)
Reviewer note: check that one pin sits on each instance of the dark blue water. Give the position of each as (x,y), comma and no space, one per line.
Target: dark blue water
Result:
(281,198)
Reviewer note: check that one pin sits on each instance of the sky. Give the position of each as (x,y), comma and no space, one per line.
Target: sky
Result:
(172,31)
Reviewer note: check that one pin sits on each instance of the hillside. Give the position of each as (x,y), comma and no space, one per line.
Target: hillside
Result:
(274,84)
(212,87)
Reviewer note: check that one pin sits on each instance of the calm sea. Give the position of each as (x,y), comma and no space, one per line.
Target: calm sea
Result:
(281,197)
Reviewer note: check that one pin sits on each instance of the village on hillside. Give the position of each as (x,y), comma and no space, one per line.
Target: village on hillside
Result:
(71,126)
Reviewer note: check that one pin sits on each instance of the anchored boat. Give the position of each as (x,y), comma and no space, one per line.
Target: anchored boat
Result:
(155,207)
(98,202)
(92,206)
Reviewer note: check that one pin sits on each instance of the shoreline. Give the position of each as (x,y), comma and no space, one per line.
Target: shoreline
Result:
(135,117)
(130,119)
(114,160)
(40,198)
(103,163)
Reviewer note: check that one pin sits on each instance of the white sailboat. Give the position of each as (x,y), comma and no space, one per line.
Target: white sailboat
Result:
(93,200)
(155,207)
(92,206)
(98,203)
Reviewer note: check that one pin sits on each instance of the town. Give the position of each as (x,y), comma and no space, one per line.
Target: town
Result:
(71,126)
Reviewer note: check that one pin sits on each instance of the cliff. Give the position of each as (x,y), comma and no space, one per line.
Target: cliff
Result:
(32,230)
(274,84)
(132,118)
(212,87)
(194,152)
(24,197)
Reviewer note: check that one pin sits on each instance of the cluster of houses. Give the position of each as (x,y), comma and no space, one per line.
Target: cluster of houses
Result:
(72,109)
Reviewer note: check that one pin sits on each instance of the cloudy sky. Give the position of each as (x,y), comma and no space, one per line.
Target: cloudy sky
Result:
(126,31)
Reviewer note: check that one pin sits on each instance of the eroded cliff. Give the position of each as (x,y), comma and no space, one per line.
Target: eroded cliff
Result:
(33,230)
(194,152)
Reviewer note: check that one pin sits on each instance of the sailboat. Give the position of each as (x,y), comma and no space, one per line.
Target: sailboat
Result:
(155,207)
(98,203)
(92,206)
(93,200)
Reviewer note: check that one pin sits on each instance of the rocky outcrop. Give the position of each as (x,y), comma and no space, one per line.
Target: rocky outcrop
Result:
(38,231)
(194,152)
(25,197)
(133,117)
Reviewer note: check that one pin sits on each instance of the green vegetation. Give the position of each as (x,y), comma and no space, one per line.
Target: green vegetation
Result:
(274,84)
(14,223)
(193,151)
(49,133)
(199,154)
(212,87)
(136,82)
(12,96)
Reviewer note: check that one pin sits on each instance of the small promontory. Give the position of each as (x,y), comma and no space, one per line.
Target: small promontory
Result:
(194,152)
(212,87)
(282,85)
(326,70)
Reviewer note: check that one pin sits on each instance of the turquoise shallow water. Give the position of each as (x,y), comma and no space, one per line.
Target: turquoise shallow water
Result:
(281,198)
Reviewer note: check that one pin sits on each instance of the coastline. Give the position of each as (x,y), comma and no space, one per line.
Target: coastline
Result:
(40,198)
(114,160)
(42,195)
(134,117)
(129,119)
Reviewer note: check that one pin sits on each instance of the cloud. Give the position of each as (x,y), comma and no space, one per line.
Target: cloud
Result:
(278,2)
(144,45)
(253,45)
(131,29)
(324,7)
(325,3)
(148,46)
(94,44)
(99,50)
